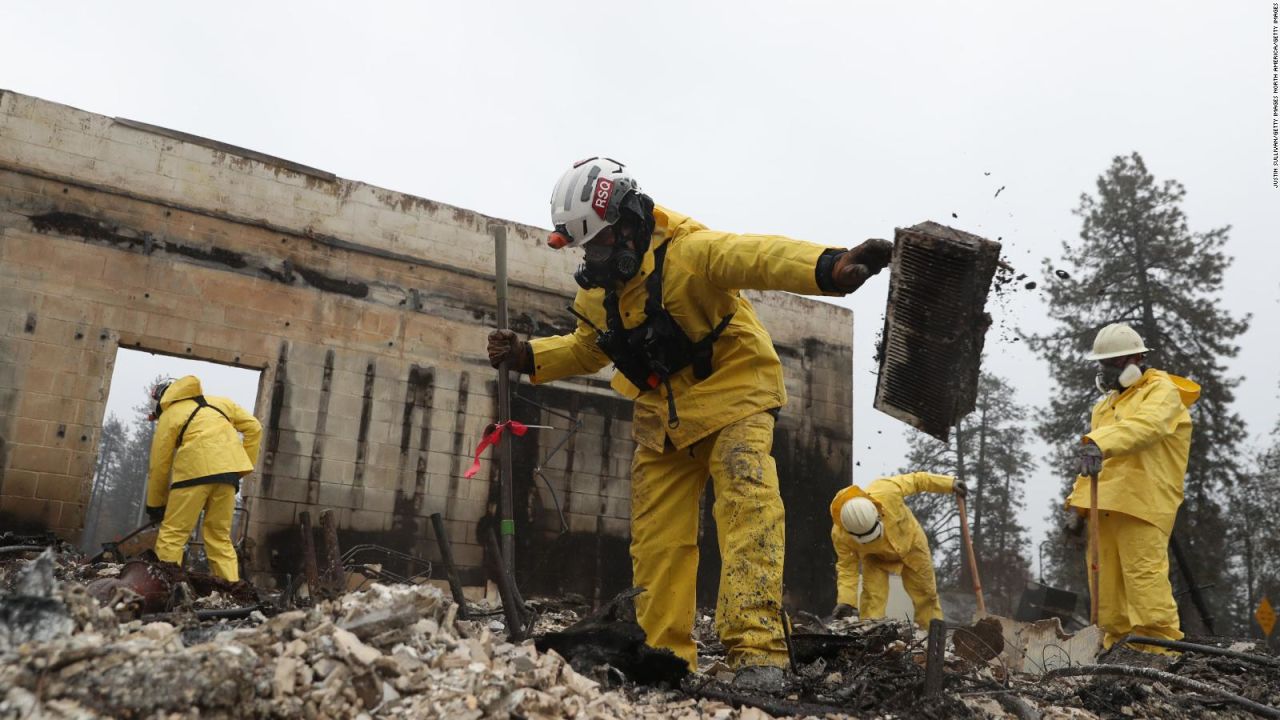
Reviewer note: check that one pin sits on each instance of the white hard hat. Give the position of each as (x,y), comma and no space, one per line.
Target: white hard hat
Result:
(1116,340)
(861,519)
(587,199)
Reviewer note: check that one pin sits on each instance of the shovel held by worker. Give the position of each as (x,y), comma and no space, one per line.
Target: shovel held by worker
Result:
(1093,548)
(973,560)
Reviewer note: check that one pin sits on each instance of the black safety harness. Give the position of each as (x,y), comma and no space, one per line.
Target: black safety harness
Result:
(201,403)
(228,478)
(650,353)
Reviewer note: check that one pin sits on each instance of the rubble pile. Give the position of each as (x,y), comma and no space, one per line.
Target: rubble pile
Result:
(401,651)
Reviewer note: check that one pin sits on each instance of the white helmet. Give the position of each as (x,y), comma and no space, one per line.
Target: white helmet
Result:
(588,199)
(861,519)
(1116,340)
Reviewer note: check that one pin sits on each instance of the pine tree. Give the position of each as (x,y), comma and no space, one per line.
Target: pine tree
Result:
(1254,505)
(120,480)
(993,461)
(106,477)
(1137,262)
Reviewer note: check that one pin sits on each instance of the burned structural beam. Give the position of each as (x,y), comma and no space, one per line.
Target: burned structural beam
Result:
(451,570)
(935,657)
(333,576)
(934,326)
(309,566)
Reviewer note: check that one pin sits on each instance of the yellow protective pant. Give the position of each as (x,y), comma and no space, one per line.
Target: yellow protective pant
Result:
(218,501)
(1133,571)
(917,579)
(665,492)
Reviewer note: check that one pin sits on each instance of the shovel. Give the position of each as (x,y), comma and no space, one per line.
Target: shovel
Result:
(1029,647)
(112,549)
(973,560)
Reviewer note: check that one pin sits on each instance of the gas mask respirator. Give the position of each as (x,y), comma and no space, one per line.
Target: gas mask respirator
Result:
(1111,378)
(604,265)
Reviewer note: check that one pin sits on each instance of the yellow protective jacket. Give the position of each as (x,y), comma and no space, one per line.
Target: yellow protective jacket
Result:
(210,446)
(702,276)
(1145,437)
(901,529)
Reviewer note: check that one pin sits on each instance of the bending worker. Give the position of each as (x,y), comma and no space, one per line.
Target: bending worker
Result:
(660,300)
(197,460)
(876,529)
(1138,444)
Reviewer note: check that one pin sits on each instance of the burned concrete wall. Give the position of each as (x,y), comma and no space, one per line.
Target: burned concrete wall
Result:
(366,310)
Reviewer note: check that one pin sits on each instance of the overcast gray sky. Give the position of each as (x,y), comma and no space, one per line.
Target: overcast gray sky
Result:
(831,122)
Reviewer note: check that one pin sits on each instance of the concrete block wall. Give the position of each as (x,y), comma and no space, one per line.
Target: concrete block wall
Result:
(366,310)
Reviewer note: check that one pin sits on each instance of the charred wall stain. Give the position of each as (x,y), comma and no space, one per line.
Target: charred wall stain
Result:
(602,562)
(570,453)
(366,412)
(282,548)
(447,305)
(322,419)
(126,238)
(419,393)
(67,223)
(319,280)
(24,523)
(459,434)
(279,397)
(4,461)
(426,387)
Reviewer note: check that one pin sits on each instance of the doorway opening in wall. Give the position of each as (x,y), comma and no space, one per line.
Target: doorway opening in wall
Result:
(124,450)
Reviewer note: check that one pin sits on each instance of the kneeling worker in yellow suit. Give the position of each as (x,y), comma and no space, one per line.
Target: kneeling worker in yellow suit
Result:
(875,527)
(197,460)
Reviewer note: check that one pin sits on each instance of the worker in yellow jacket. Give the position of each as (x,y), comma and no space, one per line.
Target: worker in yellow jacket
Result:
(660,299)
(1138,444)
(197,460)
(874,528)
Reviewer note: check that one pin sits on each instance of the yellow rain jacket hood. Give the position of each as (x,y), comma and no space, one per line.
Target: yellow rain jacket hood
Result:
(702,276)
(211,444)
(1144,433)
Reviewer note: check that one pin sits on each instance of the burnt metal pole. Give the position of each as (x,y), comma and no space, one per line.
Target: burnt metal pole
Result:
(506,589)
(506,506)
(446,556)
(935,656)
(334,577)
(309,556)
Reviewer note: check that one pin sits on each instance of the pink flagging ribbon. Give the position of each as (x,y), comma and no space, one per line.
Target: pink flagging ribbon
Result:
(491,438)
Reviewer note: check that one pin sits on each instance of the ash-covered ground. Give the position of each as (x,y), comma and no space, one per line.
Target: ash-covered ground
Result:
(401,650)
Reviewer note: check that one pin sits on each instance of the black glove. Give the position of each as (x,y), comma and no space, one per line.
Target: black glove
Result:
(155,514)
(505,345)
(1090,459)
(959,488)
(842,610)
(859,263)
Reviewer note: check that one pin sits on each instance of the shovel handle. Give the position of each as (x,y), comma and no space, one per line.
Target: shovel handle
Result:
(973,560)
(1093,548)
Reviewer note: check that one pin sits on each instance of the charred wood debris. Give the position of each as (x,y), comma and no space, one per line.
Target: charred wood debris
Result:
(137,639)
